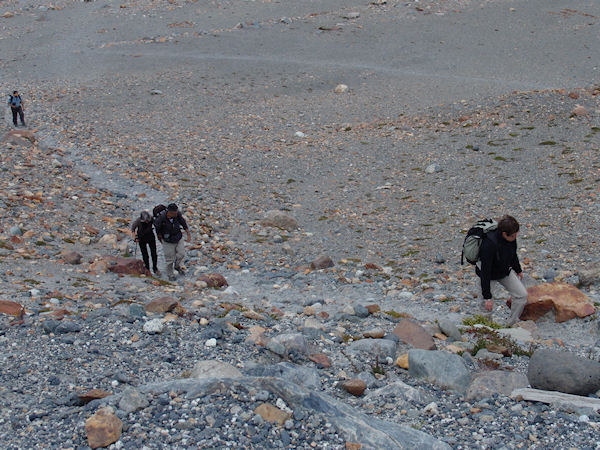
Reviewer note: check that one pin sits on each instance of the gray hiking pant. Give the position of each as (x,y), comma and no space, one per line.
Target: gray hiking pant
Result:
(174,254)
(515,288)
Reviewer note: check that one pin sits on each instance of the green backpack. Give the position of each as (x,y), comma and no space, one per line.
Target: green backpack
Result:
(472,243)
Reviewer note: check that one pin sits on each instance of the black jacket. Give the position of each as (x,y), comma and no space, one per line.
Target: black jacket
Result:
(167,230)
(144,230)
(498,257)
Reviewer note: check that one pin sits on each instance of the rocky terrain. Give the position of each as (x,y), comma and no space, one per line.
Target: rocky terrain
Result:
(329,157)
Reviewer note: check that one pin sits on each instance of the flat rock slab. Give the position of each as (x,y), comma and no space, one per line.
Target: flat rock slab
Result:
(382,348)
(440,368)
(493,382)
(215,369)
(414,334)
(301,375)
(11,308)
(566,300)
(553,370)
(556,398)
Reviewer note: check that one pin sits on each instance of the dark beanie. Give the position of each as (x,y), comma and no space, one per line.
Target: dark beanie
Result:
(172,207)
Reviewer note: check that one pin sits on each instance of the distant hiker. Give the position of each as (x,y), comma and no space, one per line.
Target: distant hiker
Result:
(17,107)
(168,226)
(143,234)
(498,261)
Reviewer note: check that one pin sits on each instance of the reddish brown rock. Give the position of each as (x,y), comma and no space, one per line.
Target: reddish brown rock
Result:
(567,301)
(579,111)
(322,262)
(354,386)
(373,308)
(573,95)
(414,334)
(320,359)
(22,138)
(93,394)
(162,305)
(103,428)
(214,280)
(126,266)
(372,266)
(353,446)
(91,230)
(11,308)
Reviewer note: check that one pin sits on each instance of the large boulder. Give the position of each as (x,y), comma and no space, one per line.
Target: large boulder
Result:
(566,300)
(214,280)
(493,382)
(163,305)
(446,370)
(381,348)
(11,308)
(554,370)
(301,375)
(120,265)
(414,334)
(103,428)
(282,344)
(279,219)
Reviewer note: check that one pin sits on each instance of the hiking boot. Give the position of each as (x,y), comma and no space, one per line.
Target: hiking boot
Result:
(180,270)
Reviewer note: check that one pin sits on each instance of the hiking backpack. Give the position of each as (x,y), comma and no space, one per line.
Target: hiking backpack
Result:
(472,243)
(158,209)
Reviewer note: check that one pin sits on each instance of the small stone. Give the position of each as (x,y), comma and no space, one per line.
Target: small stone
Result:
(162,305)
(214,369)
(132,400)
(321,360)
(340,89)
(154,326)
(433,168)
(93,394)
(214,280)
(579,111)
(375,333)
(354,386)
(322,262)
(351,15)
(373,308)
(156,92)
(212,342)
(272,414)
(73,258)
(431,409)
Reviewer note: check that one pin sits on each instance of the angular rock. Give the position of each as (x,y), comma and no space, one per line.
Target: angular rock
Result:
(290,342)
(495,382)
(400,392)
(354,386)
(132,400)
(272,413)
(414,334)
(373,308)
(214,280)
(381,348)
(579,111)
(443,369)
(560,399)
(340,88)
(93,394)
(103,428)
(67,327)
(116,264)
(322,262)
(73,258)
(300,375)
(402,361)
(521,335)
(374,333)
(11,308)
(162,305)
(449,328)
(554,370)
(279,219)
(566,300)
(590,275)
(321,360)
(214,369)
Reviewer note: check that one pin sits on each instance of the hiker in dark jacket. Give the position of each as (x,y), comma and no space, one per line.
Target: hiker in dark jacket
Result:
(499,262)
(17,107)
(168,226)
(143,234)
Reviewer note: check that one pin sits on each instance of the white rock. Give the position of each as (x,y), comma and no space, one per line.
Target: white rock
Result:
(432,408)
(352,15)
(348,309)
(433,168)
(154,326)
(230,291)
(109,239)
(212,342)
(300,134)
(340,88)
(203,321)
(34,292)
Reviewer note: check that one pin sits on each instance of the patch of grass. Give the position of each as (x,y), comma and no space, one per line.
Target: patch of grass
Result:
(40,243)
(488,337)
(540,241)
(410,253)
(576,181)
(323,218)
(290,181)
(500,158)
(31,281)
(528,128)
(482,320)
(513,134)
(377,369)
(68,240)
(547,143)
(398,315)
(517,149)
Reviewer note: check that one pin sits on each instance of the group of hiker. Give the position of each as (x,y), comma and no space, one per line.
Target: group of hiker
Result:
(168,222)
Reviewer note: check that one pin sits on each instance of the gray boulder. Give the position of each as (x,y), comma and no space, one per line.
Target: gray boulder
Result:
(132,400)
(589,276)
(553,370)
(285,343)
(443,369)
(279,219)
(400,392)
(382,348)
(495,382)
(214,369)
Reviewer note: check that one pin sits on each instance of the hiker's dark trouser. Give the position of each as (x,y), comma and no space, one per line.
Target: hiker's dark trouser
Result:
(152,244)
(18,111)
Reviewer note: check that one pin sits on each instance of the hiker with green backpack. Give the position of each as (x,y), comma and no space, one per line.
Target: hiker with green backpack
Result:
(492,248)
